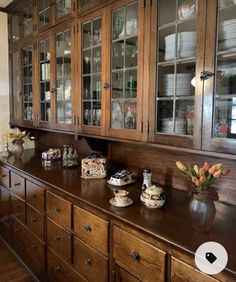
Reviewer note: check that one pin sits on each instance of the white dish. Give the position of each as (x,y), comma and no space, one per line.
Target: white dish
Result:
(114,203)
(128,182)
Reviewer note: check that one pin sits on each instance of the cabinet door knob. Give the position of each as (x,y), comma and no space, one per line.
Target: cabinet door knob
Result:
(4,175)
(87,262)
(57,268)
(135,256)
(56,209)
(53,90)
(57,237)
(206,75)
(87,228)
(17,184)
(106,85)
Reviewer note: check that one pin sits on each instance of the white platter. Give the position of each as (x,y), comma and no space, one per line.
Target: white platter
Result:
(114,203)
(126,183)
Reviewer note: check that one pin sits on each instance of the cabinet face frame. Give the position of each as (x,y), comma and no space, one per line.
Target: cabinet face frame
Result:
(211,143)
(175,140)
(79,97)
(133,134)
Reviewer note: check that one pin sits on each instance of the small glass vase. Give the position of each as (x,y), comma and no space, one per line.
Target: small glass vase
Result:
(202,212)
(17,150)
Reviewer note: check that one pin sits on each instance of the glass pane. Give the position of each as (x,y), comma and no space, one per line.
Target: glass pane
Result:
(63,7)
(124,67)
(63,76)
(16,85)
(15,28)
(85,2)
(27,83)
(176,66)
(225,77)
(91,72)
(44,13)
(27,20)
(44,55)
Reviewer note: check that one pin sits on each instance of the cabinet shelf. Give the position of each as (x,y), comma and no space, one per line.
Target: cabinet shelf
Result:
(174,23)
(178,61)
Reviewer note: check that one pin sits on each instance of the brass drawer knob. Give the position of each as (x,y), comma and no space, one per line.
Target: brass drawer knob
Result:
(57,268)
(87,228)
(17,230)
(57,237)
(34,196)
(135,256)
(17,206)
(87,262)
(34,219)
(56,209)
(34,246)
(4,175)
(17,184)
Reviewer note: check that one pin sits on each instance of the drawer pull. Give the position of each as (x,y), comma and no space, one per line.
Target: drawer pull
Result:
(34,246)
(135,256)
(17,184)
(56,209)
(34,219)
(17,230)
(87,228)
(87,262)
(57,237)
(4,175)
(34,196)
(57,268)
(17,206)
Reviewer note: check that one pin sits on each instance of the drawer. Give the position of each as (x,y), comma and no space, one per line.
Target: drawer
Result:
(181,272)
(59,210)
(91,263)
(59,240)
(35,195)
(5,203)
(35,221)
(18,185)
(91,229)
(18,208)
(122,275)
(59,271)
(4,177)
(141,259)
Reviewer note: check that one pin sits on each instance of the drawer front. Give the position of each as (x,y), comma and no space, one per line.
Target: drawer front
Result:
(92,264)
(18,208)
(5,200)
(59,271)
(59,210)
(181,272)
(141,259)
(91,229)
(35,196)
(123,275)
(4,177)
(35,221)
(59,240)
(18,185)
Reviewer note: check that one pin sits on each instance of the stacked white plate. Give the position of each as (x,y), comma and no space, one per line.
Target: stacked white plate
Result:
(180,125)
(186,42)
(183,84)
(227,35)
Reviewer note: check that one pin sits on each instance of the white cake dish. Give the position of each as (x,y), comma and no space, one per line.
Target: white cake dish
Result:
(121,178)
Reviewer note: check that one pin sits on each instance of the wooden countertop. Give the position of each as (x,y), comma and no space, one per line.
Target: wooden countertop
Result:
(170,224)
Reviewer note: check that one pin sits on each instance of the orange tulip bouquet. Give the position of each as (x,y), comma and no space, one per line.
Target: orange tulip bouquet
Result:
(203,177)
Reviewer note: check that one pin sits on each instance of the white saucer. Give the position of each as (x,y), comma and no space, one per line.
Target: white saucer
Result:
(114,203)
(128,182)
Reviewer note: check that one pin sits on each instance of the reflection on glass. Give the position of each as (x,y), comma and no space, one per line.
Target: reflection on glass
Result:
(27,20)
(63,7)
(224,123)
(15,28)
(124,67)
(27,83)
(63,76)
(44,13)
(85,2)
(91,72)
(16,85)
(44,55)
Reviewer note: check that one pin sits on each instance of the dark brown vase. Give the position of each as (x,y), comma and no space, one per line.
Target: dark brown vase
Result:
(202,212)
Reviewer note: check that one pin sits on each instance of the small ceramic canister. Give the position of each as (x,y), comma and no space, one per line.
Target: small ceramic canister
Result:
(153,197)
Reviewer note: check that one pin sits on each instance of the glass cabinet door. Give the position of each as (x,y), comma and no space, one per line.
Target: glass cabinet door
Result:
(91,72)
(44,13)
(27,84)
(63,77)
(176,56)
(15,28)
(126,62)
(16,87)
(27,20)
(44,74)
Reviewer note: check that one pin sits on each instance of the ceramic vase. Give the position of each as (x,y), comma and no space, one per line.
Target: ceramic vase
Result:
(202,212)
(18,150)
